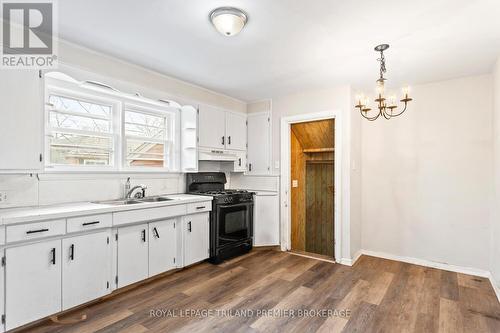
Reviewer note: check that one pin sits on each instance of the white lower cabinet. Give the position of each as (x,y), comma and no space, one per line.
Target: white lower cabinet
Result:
(196,238)
(162,246)
(86,268)
(132,254)
(33,282)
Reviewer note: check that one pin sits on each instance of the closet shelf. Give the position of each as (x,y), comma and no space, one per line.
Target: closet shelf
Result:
(318,150)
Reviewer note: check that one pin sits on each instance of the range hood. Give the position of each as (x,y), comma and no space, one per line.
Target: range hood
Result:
(217,155)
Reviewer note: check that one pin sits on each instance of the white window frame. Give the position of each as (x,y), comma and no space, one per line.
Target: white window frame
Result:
(119,102)
(169,142)
(90,98)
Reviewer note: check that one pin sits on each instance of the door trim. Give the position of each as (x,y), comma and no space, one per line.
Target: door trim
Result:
(285,207)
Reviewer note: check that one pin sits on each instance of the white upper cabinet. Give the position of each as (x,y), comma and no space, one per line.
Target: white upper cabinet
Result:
(189,136)
(219,129)
(236,131)
(212,123)
(259,144)
(21,120)
(86,268)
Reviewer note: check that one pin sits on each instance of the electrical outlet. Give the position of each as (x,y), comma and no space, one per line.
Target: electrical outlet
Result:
(295,183)
(3,197)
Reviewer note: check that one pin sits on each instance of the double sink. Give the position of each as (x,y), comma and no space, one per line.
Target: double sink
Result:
(134,201)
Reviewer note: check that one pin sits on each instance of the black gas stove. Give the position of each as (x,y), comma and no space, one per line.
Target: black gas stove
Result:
(231,219)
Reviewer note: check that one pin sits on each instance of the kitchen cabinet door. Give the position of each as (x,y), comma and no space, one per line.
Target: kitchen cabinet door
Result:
(240,165)
(236,131)
(196,238)
(162,246)
(21,120)
(259,144)
(86,268)
(33,282)
(212,123)
(132,254)
(266,219)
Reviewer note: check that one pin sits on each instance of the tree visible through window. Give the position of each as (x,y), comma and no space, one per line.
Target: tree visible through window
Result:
(145,139)
(80,132)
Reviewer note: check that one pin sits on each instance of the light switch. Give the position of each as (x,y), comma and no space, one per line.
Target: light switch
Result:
(295,183)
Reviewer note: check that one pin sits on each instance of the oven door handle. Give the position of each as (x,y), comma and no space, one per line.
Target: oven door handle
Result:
(237,205)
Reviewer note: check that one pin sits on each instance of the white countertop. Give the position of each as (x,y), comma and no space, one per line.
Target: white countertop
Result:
(38,213)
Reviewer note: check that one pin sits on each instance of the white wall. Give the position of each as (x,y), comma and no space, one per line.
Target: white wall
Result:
(130,74)
(495,222)
(426,177)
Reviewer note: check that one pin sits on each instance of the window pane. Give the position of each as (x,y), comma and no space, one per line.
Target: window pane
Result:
(145,125)
(141,153)
(74,105)
(62,120)
(71,149)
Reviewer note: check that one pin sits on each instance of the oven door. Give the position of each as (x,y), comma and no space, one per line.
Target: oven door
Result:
(235,223)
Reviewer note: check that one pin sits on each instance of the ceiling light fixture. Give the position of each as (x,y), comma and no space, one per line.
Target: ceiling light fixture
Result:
(228,20)
(386,106)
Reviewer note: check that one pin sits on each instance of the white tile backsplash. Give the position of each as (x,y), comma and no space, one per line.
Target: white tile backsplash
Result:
(48,189)
(21,190)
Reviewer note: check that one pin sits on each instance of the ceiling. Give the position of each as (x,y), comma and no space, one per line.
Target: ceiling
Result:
(292,45)
(315,134)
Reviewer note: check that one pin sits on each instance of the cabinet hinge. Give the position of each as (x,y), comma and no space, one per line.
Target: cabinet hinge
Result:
(41,158)
(268,119)
(3,319)
(107,240)
(116,236)
(116,280)
(4,261)
(107,284)
(174,228)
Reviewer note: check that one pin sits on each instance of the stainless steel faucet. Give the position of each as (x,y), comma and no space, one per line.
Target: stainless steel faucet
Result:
(138,195)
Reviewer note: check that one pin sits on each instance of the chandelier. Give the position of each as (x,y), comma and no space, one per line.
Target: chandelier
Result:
(387,107)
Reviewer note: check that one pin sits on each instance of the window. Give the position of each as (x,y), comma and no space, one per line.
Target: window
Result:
(89,127)
(146,143)
(80,132)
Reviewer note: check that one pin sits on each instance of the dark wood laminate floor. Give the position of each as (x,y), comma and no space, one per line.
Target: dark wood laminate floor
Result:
(381,295)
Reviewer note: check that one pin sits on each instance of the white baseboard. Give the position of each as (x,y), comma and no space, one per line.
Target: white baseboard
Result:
(351,262)
(429,263)
(496,288)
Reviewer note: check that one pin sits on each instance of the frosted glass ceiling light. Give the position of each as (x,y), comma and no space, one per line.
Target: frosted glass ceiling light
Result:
(228,20)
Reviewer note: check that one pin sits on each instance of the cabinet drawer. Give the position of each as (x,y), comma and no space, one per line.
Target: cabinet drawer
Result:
(199,207)
(24,232)
(148,214)
(90,222)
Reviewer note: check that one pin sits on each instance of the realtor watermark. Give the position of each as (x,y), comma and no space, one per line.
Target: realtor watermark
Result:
(249,313)
(29,34)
